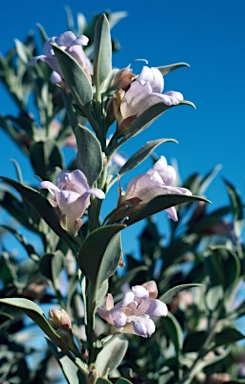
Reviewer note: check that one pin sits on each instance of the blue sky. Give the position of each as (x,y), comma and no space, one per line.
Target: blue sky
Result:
(209,35)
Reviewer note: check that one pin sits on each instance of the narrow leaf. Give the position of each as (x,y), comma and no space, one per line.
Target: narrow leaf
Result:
(168,296)
(89,159)
(43,34)
(75,77)
(35,313)
(102,51)
(174,331)
(142,154)
(228,335)
(161,202)
(171,67)
(236,206)
(45,155)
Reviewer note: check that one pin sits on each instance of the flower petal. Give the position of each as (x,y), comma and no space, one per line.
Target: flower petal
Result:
(118,318)
(157,308)
(97,193)
(65,39)
(48,185)
(172,214)
(140,293)
(143,326)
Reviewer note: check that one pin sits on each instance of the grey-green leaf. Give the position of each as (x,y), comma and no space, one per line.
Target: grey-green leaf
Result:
(160,203)
(33,311)
(45,155)
(102,51)
(147,118)
(174,331)
(168,296)
(142,154)
(236,206)
(97,258)
(89,159)
(171,67)
(75,77)
(111,355)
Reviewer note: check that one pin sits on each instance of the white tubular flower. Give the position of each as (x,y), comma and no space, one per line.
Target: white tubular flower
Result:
(69,43)
(132,314)
(157,181)
(71,198)
(146,91)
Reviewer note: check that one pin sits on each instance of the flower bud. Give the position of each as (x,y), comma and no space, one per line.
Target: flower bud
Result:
(93,376)
(58,318)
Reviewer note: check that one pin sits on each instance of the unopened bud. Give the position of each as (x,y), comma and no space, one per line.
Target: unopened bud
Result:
(58,318)
(93,376)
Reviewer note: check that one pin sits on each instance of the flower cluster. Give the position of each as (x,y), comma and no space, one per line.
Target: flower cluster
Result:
(132,314)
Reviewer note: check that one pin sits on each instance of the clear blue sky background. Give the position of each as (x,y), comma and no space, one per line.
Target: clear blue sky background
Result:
(209,35)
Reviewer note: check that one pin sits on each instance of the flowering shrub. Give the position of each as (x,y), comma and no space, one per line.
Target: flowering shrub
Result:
(176,305)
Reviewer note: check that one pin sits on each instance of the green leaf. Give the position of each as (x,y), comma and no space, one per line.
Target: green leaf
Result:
(72,117)
(115,17)
(22,51)
(69,367)
(236,206)
(168,296)
(43,34)
(223,266)
(45,155)
(171,67)
(101,293)
(194,341)
(51,265)
(75,77)
(102,51)
(174,331)
(111,355)
(29,218)
(28,247)
(148,117)
(161,202)
(100,253)
(207,180)
(123,381)
(35,313)
(69,370)
(228,335)
(142,154)
(89,159)
(41,205)
(214,296)
(102,380)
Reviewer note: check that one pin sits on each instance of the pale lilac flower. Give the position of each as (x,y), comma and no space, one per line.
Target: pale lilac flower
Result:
(146,91)
(159,180)
(69,43)
(132,314)
(71,198)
